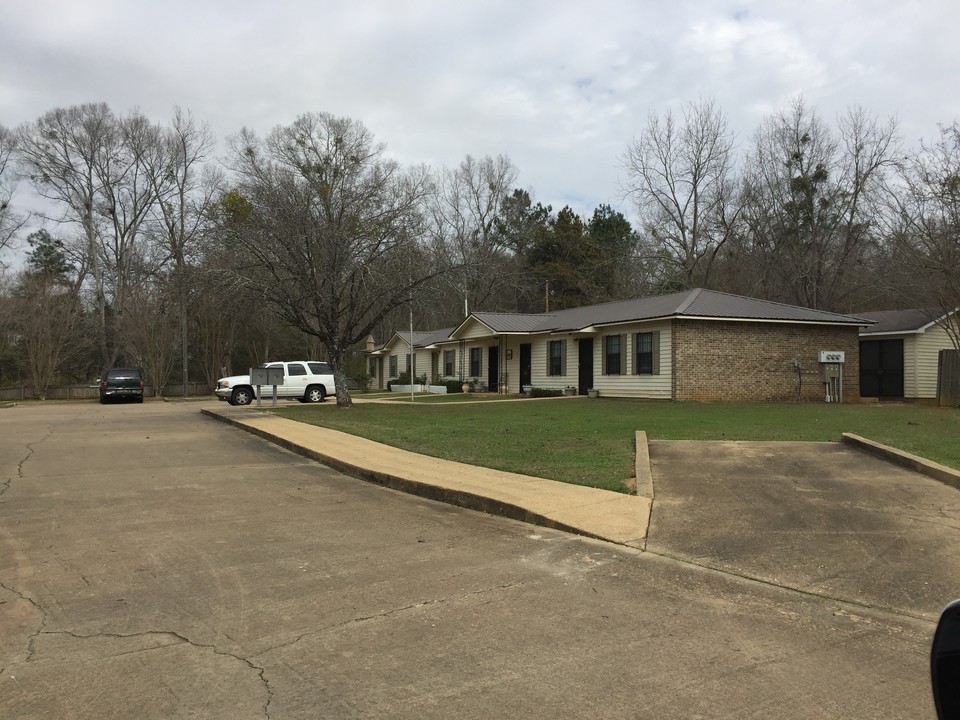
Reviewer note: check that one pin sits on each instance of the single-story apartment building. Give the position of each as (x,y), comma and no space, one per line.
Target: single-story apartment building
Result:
(691,345)
(899,353)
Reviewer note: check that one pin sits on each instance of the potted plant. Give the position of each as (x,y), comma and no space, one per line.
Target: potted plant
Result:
(593,393)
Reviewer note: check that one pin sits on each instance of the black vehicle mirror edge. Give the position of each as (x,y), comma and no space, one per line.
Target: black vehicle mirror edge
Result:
(945,663)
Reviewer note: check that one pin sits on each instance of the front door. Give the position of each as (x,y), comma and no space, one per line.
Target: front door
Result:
(493,368)
(526,366)
(881,368)
(585,375)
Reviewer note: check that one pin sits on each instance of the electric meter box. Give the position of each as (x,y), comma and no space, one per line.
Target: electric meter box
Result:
(832,356)
(266,376)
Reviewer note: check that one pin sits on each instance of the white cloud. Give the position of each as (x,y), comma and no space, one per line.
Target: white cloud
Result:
(561,87)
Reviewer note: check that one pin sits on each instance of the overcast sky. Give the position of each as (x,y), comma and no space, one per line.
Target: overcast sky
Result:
(559,87)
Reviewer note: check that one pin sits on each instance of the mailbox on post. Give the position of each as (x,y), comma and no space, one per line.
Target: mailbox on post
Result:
(270,376)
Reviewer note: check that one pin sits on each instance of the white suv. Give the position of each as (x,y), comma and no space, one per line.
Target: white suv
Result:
(303,380)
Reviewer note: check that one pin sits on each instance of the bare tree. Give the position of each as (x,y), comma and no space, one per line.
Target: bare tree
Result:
(127,192)
(10,222)
(810,197)
(326,229)
(152,332)
(59,153)
(928,238)
(680,176)
(48,313)
(95,167)
(466,215)
(184,187)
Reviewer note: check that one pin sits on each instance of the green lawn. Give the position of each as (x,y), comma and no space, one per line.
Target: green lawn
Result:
(591,442)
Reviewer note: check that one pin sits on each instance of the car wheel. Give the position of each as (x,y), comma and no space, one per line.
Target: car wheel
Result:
(103,400)
(241,396)
(139,398)
(314,394)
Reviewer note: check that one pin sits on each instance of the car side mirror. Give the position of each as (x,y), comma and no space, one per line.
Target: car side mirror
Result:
(945,663)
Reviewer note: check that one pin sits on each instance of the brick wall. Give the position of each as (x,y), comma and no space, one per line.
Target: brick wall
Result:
(721,360)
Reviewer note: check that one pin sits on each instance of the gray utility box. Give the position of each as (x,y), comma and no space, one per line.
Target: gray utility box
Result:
(266,376)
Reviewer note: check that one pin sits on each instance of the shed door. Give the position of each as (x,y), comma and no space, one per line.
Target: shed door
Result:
(881,368)
(493,368)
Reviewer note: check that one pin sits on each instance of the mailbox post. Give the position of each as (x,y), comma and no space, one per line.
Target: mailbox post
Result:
(266,376)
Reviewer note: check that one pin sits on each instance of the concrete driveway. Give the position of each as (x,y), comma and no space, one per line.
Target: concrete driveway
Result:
(157,564)
(819,517)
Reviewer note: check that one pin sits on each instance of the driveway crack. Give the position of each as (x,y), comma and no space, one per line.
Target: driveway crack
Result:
(178,638)
(386,614)
(5,485)
(40,629)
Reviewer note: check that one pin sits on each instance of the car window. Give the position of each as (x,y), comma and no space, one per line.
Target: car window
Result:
(319,368)
(123,373)
(296,369)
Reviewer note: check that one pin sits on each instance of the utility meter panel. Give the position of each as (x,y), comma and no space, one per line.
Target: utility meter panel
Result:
(266,376)
(832,356)
(831,373)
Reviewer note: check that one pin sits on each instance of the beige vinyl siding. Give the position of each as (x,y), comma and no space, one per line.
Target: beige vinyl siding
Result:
(467,348)
(421,364)
(538,358)
(474,330)
(628,384)
(920,358)
(921,353)
(444,349)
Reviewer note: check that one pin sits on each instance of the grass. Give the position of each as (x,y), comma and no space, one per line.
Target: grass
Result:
(591,442)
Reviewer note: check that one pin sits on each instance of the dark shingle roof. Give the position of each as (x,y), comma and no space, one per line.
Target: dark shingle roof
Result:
(512,322)
(899,321)
(692,304)
(696,303)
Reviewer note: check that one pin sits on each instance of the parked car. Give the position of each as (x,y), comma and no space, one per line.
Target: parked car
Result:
(121,384)
(303,380)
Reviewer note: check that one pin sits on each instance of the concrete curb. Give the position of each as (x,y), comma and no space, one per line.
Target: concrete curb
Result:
(642,469)
(944,474)
(446,494)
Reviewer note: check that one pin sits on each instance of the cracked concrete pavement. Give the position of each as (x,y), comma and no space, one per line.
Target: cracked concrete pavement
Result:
(155,564)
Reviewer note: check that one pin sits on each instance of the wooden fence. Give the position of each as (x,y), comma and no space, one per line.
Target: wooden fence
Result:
(948,378)
(91,392)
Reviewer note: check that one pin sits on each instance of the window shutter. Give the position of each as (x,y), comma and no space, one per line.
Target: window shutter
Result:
(656,352)
(623,354)
(563,357)
(603,354)
(547,371)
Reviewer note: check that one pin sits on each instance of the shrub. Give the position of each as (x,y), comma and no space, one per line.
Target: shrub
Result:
(453,386)
(545,392)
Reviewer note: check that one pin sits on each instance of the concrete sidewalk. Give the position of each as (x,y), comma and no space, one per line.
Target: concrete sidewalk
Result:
(602,514)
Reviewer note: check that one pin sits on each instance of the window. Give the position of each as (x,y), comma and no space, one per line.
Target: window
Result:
(449,360)
(475,362)
(372,369)
(556,357)
(296,369)
(647,353)
(644,353)
(319,368)
(393,366)
(613,360)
